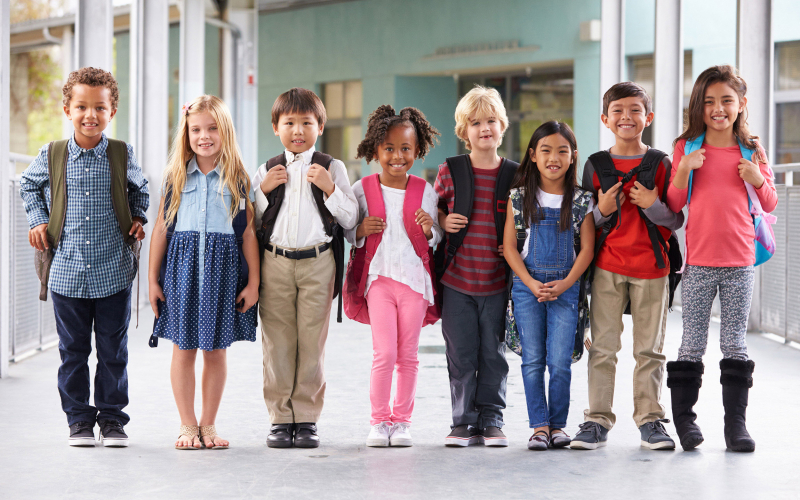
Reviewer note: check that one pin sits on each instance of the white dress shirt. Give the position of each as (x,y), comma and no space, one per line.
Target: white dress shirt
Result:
(299,224)
(395,257)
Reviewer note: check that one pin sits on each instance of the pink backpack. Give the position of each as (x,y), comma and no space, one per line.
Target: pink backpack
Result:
(355,304)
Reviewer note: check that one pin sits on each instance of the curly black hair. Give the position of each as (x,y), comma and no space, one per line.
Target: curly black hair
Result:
(384,118)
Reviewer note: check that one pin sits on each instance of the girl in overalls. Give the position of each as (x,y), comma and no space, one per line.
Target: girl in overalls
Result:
(545,287)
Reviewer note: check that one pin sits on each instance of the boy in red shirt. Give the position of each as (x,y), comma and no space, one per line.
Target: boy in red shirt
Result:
(631,265)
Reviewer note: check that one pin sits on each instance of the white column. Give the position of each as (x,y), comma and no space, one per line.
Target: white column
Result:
(67,66)
(668,57)
(149,114)
(246,114)
(5,185)
(755,53)
(192,49)
(94,33)
(612,54)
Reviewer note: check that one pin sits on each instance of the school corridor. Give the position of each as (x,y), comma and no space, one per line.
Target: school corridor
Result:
(37,463)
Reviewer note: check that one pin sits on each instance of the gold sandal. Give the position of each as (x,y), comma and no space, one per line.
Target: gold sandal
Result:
(190,431)
(210,431)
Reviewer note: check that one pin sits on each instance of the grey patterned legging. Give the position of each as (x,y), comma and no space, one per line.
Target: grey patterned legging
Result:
(698,289)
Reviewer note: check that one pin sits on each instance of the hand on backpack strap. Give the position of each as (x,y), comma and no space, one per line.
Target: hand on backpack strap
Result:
(693,160)
(455,223)
(275,177)
(607,202)
(370,225)
(155,294)
(137,229)
(320,177)
(248,297)
(751,173)
(426,221)
(643,197)
(37,237)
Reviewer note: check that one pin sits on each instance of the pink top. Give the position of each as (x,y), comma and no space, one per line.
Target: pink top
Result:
(719,228)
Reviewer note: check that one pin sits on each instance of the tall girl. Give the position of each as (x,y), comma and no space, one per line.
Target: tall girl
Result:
(559,246)
(718,212)
(399,288)
(204,303)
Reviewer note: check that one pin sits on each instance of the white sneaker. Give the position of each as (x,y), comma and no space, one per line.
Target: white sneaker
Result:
(379,435)
(400,435)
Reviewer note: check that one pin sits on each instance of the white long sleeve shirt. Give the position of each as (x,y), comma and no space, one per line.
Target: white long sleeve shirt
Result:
(395,257)
(298,224)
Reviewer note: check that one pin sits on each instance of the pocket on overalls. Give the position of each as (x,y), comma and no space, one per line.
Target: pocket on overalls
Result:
(548,245)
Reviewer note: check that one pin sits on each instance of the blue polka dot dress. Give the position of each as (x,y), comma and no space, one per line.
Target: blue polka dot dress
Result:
(202,276)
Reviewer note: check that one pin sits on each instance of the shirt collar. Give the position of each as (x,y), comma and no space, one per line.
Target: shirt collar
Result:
(99,150)
(305,156)
(192,166)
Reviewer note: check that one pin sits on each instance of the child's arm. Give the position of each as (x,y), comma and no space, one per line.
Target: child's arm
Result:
(261,203)
(682,166)
(428,216)
(34,178)
(513,257)
(762,178)
(452,223)
(158,247)
(366,225)
(250,250)
(582,261)
(138,195)
(341,203)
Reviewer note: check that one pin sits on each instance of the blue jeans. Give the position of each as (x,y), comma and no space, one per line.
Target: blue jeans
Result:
(547,329)
(74,321)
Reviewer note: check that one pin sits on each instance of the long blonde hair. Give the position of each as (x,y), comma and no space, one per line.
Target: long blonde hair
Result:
(233,173)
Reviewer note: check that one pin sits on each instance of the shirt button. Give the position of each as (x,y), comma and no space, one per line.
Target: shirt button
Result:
(87,193)
(87,242)
(87,218)
(204,189)
(87,169)
(203,210)
(88,266)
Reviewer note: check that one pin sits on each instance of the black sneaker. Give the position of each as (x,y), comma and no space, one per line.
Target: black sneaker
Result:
(655,437)
(464,435)
(81,434)
(112,434)
(590,437)
(493,436)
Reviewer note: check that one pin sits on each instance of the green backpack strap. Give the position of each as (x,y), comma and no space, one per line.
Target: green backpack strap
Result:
(117,152)
(57,170)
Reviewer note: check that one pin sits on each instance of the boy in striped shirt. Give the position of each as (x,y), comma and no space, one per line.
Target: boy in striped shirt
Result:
(474,292)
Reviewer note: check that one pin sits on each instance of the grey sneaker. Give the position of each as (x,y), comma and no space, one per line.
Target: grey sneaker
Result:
(81,434)
(112,434)
(463,435)
(590,437)
(559,439)
(493,436)
(540,441)
(655,437)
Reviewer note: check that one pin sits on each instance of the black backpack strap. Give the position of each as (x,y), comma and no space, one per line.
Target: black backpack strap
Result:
(327,218)
(463,197)
(162,272)
(275,199)
(508,169)
(646,176)
(332,229)
(607,176)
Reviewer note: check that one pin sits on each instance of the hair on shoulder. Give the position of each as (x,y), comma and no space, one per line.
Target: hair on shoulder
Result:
(627,89)
(384,118)
(93,77)
(480,102)
(298,100)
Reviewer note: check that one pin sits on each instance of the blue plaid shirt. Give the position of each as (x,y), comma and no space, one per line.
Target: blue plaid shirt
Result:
(92,260)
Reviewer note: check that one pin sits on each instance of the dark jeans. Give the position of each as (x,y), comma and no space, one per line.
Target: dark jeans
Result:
(476,360)
(74,319)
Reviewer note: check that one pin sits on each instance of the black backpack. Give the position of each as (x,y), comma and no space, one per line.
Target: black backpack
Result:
(332,228)
(464,187)
(645,173)
(239,226)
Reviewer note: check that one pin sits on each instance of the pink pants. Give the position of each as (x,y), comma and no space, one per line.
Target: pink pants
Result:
(395,313)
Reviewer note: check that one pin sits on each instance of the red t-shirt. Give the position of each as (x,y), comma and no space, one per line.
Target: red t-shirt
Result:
(627,249)
(477,268)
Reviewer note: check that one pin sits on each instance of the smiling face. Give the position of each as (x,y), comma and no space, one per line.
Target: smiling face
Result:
(553,157)
(298,131)
(90,111)
(204,135)
(721,107)
(397,153)
(484,133)
(627,117)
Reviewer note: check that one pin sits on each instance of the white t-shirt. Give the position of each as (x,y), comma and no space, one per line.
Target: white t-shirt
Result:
(395,257)
(547,200)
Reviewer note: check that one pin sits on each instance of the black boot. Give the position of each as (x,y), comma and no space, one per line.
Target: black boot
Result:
(280,436)
(736,380)
(684,378)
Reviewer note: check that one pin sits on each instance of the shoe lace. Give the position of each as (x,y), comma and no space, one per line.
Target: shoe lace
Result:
(592,428)
(659,426)
(400,427)
(112,425)
(80,426)
(383,427)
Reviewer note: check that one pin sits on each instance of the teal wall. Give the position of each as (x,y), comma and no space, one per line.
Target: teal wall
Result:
(384,43)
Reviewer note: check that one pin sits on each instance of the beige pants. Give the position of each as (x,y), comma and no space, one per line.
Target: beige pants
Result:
(295,307)
(649,304)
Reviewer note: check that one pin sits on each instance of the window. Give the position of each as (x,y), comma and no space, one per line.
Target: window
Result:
(641,69)
(342,134)
(787,104)
(530,100)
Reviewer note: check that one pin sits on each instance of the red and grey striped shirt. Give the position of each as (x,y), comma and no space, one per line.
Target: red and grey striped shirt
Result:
(477,268)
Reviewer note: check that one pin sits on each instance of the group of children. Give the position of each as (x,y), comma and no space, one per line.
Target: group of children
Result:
(509,236)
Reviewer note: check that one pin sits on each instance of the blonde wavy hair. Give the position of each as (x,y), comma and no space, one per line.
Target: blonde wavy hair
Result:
(480,102)
(233,173)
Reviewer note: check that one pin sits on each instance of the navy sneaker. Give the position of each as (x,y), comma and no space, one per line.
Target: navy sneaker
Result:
(655,437)
(464,435)
(112,434)
(81,434)
(590,437)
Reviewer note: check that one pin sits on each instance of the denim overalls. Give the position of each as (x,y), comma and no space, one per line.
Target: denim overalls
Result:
(547,329)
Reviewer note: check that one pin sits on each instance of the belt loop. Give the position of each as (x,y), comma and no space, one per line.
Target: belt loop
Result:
(317,250)
(274,251)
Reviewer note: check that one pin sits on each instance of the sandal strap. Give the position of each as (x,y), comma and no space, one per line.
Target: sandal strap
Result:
(208,431)
(189,431)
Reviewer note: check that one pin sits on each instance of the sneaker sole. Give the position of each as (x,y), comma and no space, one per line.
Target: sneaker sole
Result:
(400,443)
(114,443)
(463,442)
(663,445)
(378,443)
(499,442)
(82,442)
(582,445)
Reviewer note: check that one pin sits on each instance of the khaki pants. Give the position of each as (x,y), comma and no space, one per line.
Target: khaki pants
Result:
(295,307)
(649,304)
